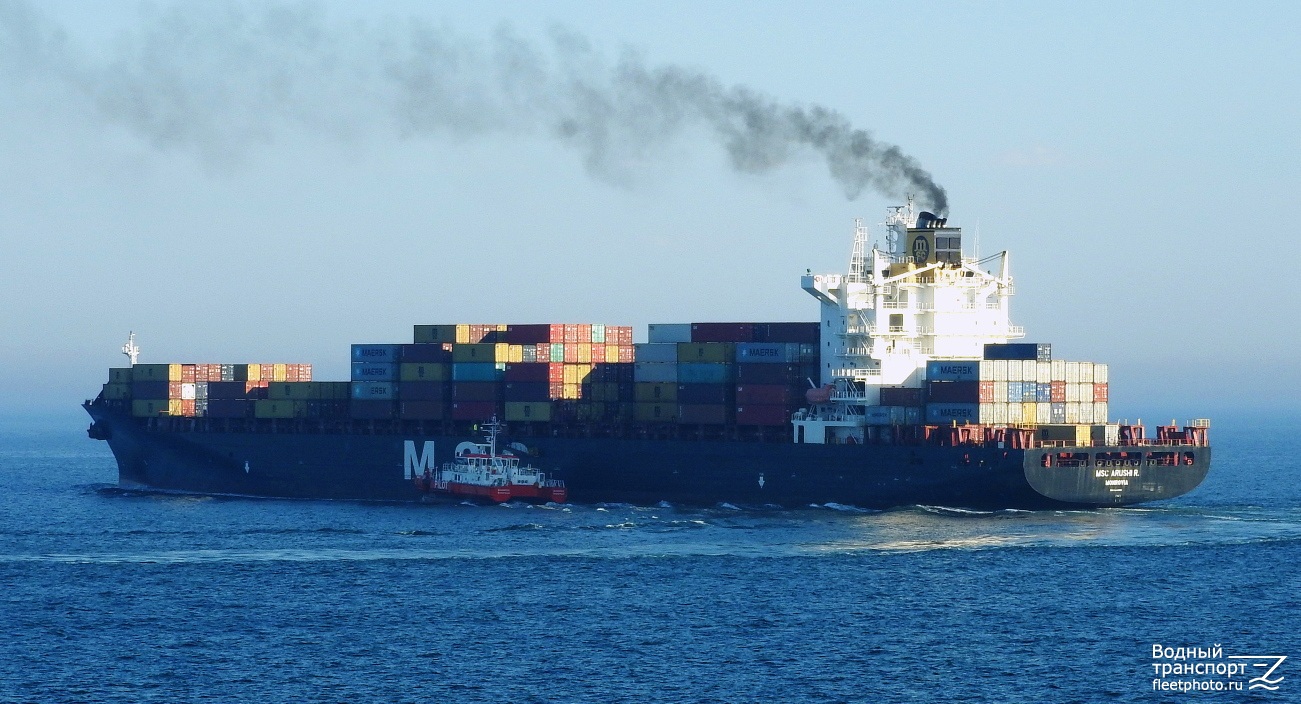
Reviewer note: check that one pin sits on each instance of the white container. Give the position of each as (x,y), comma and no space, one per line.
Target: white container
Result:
(1086,372)
(1043,413)
(1059,370)
(1014,413)
(1100,413)
(1043,372)
(1086,413)
(1072,413)
(187,391)
(1000,413)
(1073,393)
(1000,369)
(1072,372)
(1100,374)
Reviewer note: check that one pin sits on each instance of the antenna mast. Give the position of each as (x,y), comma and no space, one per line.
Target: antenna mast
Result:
(130,349)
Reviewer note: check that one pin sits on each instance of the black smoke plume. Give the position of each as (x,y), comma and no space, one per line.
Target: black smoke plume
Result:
(221,78)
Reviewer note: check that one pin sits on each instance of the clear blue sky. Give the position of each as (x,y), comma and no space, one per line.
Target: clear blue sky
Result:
(237,194)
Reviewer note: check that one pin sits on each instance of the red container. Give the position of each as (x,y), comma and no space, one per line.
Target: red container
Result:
(986,392)
(174,389)
(762,415)
(1100,392)
(892,396)
(768,395)
(584,332)
(188,374)
(187,408)
(627,353)
(722,332)
(571,352)
(556,372)
(1058,391)
(543,352)
(704,414)
(556,389)
(474,410)
(557,333)
(422,410)
(527,372)
(571,334)
(424,391)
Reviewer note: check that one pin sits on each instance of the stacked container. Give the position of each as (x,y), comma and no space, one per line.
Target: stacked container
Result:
(198,390)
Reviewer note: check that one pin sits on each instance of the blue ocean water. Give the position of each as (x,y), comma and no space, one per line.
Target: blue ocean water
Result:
(119,596)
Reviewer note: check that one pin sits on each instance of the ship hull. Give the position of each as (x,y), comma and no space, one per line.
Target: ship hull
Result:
(381,467)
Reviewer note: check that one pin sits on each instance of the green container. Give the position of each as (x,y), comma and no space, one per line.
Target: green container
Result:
(119,375)
(435,333)
(426,371)
(484,352)
(532,411)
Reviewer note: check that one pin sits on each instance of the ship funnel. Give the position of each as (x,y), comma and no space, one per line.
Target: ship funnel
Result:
(927,220)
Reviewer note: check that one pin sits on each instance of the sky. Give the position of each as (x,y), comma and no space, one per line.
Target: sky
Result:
(271,182)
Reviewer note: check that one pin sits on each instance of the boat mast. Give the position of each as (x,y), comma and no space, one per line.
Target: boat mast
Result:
(130,349)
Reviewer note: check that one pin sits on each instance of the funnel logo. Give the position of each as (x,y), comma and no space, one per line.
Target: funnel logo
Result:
(921,248)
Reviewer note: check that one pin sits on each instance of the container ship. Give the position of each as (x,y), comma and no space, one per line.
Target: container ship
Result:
(912,387)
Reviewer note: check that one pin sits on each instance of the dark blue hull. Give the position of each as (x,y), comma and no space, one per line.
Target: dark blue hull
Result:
(266,459)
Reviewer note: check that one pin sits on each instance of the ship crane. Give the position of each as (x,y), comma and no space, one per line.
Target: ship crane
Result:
(130,349)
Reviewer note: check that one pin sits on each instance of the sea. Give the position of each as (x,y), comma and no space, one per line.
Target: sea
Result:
(110,595)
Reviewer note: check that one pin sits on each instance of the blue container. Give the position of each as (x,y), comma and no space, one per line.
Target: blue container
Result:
(425,352)
(704,373)
(374,371)
(949,370)
(1044,392)
(389,354)
(947,413)
(1015,391)
(476,371)
(768,352)
(374,390)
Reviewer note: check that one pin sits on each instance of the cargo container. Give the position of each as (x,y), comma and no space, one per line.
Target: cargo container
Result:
(807,333)
(656,352)
(476,371)
(156,372)
(475,353)
(775,374)
(947,392)
(527,391)
(768,353)
(706,394)
(374,390)
(424,371)
(704,414)
(1068,435)
(946,413)
(422,410)
(374,371)
(706,352)
(769,395)
(953,370)
(656,412)
(230,407)
(901,396)
(119,375)
(475,391)
(674,332)
(385,353)
(424,391)
(704,373)
(474,410)
(425,353)
(274,408)
(1040,351)
(372,409)
(654,392)
(1100,393)
(538,412)
(656,372)
(150,389)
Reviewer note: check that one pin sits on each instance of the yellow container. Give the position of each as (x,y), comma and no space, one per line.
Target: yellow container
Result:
(424,371)
(656,412)
(585,353)
(501,352)
(279,372)
(1029,413)
(611,354)
(515,354)
(518,411)
(254,372)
